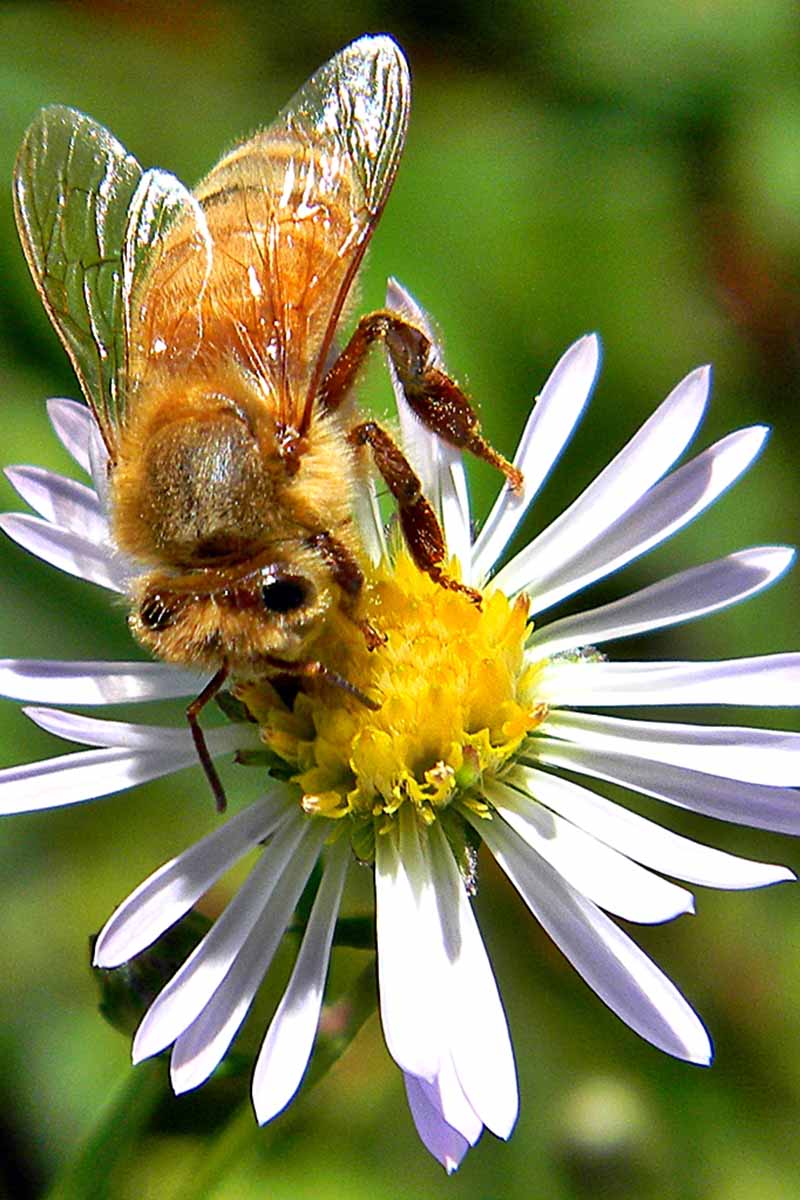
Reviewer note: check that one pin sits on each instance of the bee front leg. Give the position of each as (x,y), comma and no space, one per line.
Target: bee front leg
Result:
(421,528)
(348,575)
(192,713)
(433,396)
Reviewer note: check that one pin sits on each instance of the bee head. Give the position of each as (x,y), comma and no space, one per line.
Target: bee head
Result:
(271,612)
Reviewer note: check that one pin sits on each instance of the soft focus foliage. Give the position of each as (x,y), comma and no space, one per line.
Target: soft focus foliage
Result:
(626,167)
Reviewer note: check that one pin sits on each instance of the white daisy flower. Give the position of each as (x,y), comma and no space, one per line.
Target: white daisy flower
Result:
(481,710)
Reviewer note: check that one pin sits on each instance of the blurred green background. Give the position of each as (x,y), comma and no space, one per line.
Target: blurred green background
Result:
(629,167)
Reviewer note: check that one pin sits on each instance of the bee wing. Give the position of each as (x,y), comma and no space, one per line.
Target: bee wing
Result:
(166,234)
(292,209)
(73,184)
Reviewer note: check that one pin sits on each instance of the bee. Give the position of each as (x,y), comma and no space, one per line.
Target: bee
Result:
(202,328)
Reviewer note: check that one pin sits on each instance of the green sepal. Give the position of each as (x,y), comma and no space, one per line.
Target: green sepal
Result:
(362,839)
(233,708)
(272,763)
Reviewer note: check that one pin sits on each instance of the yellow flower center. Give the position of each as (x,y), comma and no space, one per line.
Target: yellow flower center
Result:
(455,700)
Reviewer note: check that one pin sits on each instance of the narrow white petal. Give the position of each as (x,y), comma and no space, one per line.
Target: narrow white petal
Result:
(419,444)
(61,501)
(447,1096)
(475,1022)
(776,808)
(200,1049)
(48,681)
(73,424)
(614,967)
(645,458)
(171,891)
(75,727)
(367,516)
(182,1000)
(454,505)
(592,866)
(87,775)
(553,418)
(445,1143)
(406,915)
(635,836)
(287,1047)
(98,466)
(439,465)
(665,509)
(770,680)
(70,552)
(682,597)
(767,756)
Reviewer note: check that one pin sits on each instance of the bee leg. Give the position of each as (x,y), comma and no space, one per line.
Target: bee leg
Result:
(192,712)
(348,575)
(312,669)
(421,528)
(434,397)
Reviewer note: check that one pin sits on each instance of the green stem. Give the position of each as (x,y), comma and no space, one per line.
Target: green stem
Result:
(91,1175)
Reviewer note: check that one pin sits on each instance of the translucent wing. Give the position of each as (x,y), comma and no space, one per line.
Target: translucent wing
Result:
(289,214)
(73,184)
(167,240)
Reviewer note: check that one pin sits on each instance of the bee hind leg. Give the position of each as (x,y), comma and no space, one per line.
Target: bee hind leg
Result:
(420,525)
(435,398)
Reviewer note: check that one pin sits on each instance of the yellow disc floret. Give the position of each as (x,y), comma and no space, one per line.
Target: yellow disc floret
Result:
(455,699)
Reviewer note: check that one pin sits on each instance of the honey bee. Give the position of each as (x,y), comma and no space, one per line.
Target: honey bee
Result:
(201,326)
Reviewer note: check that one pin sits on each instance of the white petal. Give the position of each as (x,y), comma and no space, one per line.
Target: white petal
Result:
(153,738)
(454,503)
(439,466)
(171,891)
(367,516)
(70,552)
(73,425)
(446,1094)
(444,1142)
(770,680)
(770,756)
(776,808)
(200,1049)
(61,501)
(614,967)
(668,506)
(287,1047)
(98,466)
(182,1000)
(474,1019)
(636,837)
(405,914)
(553,418)
(649,453)
(87,775)
(594,868)
(52,682)
(682,597)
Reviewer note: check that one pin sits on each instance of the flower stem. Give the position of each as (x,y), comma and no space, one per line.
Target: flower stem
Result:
(110,1143)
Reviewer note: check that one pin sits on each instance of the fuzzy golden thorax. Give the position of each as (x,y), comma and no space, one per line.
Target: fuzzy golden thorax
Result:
(226,512)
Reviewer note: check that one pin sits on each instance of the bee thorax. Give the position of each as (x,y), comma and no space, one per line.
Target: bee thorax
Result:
(204,489)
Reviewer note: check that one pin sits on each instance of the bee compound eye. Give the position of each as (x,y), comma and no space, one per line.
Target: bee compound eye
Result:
(158,612)
(285,593)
